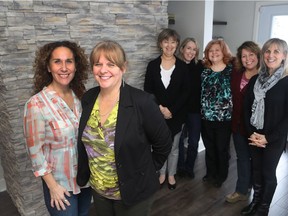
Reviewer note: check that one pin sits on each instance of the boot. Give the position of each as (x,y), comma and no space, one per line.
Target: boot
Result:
(263,209)
(253,206)
(250,209)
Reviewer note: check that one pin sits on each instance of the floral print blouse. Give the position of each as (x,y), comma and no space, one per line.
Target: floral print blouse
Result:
(216,97)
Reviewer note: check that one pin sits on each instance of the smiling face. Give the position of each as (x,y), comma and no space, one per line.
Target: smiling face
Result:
(249,59)
(273,57)
(189,51)
(215,54)
(169,46)
(107,74)
(62,66)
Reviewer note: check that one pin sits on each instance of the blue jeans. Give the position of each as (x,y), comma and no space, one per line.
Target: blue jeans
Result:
(79,203)
(193,129)
(244,180)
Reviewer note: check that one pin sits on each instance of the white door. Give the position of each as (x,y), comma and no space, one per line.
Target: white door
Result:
(273,22)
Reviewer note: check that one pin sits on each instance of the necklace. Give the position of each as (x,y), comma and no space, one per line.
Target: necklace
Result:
(109,111)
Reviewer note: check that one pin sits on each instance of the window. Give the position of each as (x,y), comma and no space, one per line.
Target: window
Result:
(273,22)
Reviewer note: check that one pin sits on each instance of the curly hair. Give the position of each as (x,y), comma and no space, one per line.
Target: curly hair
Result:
(227,55)
(250,46)
(43,78)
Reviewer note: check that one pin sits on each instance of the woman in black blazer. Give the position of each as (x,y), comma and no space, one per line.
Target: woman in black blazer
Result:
(123,138)
(167,79)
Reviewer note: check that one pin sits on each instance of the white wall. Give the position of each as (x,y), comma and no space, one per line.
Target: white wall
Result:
(189,19)
(239,16)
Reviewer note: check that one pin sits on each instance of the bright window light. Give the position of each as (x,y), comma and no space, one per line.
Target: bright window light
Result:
(279,27)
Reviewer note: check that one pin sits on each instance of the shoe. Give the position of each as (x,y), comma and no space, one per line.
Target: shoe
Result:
(171,186)
(251,209)
(235,197)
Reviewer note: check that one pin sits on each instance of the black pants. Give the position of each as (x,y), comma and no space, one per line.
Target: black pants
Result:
(264,164)
(216,138)
(108,207)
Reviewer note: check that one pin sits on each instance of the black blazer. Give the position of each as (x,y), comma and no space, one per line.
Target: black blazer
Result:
(175,97)
(142,143)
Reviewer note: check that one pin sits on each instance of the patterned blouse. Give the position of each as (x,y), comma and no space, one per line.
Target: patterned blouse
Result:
(99,144)
(216,98)
(51,131)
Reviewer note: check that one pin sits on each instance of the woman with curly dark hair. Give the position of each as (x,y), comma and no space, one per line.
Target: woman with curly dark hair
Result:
(51,119)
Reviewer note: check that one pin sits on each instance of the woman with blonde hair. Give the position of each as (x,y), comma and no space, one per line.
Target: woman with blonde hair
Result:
(119,127)
(189,53)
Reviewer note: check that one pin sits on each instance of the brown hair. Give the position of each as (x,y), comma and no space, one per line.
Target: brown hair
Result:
(112,51)
(250,46)
(167,33)
(43,78)
(227,55)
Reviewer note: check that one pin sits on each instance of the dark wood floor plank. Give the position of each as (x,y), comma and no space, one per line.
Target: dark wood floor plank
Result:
(195,198)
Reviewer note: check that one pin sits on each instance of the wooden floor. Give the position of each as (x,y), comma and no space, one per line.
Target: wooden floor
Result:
(195,198)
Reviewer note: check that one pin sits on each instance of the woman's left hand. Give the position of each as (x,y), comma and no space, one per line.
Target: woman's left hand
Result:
(258,140)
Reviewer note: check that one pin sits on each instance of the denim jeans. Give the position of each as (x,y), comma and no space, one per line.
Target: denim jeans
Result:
(244,180)
(79,203)
(193,129)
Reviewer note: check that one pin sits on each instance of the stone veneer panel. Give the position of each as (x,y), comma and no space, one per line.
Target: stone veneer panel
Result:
(28,24)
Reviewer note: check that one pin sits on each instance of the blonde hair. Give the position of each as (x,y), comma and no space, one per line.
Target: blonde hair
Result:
(282,45)
(184,43)
(112,51)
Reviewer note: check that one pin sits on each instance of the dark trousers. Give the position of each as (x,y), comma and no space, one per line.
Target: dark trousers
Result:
(216,138)
(191,129)
(109,207)
(264,164)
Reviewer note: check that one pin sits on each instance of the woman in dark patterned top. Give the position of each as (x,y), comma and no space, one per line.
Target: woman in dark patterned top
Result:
(216,110)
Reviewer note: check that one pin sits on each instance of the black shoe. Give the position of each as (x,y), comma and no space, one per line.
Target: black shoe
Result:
(172,186)
(250,209)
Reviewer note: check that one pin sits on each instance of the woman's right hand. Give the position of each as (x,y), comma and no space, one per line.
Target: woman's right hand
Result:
(58,199)
(57,193)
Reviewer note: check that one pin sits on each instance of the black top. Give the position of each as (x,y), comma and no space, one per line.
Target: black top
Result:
(142,143)
(175,97)
(276,111)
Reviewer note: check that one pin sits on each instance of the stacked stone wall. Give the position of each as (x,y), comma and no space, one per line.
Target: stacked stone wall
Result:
(26,25)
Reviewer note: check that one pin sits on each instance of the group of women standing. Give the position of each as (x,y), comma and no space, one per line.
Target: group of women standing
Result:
(120,143)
